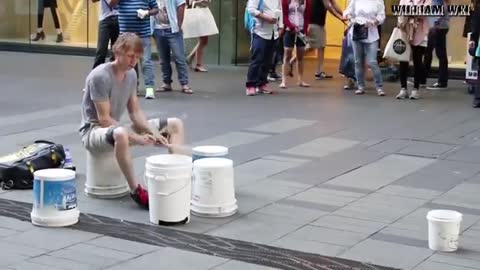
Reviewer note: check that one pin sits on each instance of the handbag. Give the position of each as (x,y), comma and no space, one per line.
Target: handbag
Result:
(398,47)
(198,22)
(360,32)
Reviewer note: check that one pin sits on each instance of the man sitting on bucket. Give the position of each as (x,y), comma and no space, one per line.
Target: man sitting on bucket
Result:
(110,90)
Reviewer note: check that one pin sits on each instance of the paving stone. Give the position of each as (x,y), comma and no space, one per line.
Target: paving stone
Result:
(260,168)
(387,254)
(94,260)
(50,238)
(349,224)
(7,232)
(109,252)
(61,263)
(390,146)
(237,265)
(282,125)
(272,189)
(233,139)
(321,147)
(20,248)
(169,258)
(463,195)
(466,154)
(292,214)
(255,227)
(291,242)
(455,260)
(426,149)
(381,173)
(429,265)
(286,159)
(8,258)
(328,236)
(450,168)
(32,266)
(440,182)
(327,197)
(425,194)
(380,207)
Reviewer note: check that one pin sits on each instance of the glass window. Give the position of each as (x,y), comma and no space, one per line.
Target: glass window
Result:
(14,15)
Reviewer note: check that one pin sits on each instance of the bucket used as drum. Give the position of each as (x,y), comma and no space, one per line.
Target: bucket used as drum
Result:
(55,198)
(209,151)
(168,178)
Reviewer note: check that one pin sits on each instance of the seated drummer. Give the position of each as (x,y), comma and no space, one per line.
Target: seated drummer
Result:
(110,89)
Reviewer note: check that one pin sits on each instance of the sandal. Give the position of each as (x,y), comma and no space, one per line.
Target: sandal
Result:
(200,69)
(164,88)
(283,86)
(303,84)
(187,90)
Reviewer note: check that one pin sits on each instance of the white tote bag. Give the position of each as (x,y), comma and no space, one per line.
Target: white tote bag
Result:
(198,22)
(398,47)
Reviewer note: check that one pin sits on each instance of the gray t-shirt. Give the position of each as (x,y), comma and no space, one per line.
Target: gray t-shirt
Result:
(101,85)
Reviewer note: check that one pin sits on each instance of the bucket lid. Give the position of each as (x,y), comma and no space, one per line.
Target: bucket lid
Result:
(169,160)
(213,163)
(210,150)
(444,215)
(54,174)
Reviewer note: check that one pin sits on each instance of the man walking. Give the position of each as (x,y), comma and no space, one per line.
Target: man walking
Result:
(108,30)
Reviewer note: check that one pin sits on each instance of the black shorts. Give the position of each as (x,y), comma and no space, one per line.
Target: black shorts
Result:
(290,40)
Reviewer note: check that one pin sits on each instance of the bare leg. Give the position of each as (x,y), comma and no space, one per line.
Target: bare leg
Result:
(287,55)
(203,41)
(300,55)
(193,53)
(320,59)
(122,154)
(176,131)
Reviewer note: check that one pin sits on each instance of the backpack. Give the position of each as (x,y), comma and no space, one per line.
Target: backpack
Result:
(16,169)
(249,19)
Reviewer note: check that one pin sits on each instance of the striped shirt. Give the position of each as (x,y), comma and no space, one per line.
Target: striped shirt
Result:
(128,20)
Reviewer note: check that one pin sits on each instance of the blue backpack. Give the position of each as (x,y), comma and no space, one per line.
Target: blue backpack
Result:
(249,19)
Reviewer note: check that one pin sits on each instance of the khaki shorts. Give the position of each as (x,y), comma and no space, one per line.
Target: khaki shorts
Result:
(317,36)
(97,138)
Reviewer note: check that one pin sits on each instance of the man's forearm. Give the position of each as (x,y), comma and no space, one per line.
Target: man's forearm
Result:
(113,2)
(180,15)
(153,11)
(107,122)
(140,122)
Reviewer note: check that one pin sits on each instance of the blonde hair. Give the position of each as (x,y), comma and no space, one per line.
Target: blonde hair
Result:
(126,42)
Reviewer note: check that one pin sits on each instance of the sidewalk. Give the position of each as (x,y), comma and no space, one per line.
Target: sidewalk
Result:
(318,171)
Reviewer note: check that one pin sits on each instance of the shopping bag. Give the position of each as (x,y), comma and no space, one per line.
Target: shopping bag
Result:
(398,47)
(198,22)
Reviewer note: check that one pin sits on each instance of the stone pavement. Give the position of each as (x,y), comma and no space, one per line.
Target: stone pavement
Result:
(318,171)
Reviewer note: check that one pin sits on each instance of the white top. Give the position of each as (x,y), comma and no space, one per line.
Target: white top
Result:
(272,8)
(363,11)
(54,174)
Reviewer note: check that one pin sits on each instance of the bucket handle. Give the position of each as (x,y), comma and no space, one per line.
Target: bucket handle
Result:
(171,193)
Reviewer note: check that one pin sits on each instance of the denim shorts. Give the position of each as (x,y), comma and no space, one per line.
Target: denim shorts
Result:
(290,40)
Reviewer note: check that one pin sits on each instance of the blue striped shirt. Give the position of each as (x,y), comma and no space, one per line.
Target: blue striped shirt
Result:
(128,20)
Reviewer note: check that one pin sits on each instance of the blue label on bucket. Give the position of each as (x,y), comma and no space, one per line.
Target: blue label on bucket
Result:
(60,195)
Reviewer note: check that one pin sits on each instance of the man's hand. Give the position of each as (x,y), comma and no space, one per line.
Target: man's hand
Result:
(142,13)
(270,19)
(143,140)
(160,140)
(471,44)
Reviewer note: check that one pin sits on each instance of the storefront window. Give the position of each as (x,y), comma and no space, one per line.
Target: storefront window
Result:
(14,15)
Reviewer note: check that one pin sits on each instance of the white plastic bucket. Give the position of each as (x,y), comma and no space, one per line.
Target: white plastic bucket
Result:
(168,178)
(209,151)
(443,230)
(105,180)
(54,198)
(213,192)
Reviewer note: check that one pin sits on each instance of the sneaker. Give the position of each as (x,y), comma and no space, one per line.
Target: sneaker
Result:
(250,91)
(359,91)
(414,94)
(149,93)
(437,86)
(380,92)
(140,196)
(403,94)
(322,75)
(263,90)
(273,77)
(349,85)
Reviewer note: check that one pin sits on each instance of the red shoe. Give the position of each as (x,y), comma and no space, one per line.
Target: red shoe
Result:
(250,91)
(140,196)
(264,90)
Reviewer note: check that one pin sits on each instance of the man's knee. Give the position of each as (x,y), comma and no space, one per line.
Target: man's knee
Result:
(175,125)
(118,135)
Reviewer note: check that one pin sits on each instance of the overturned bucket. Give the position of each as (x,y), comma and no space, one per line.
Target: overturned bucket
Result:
(443,230)
(209,151)
(54,198)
